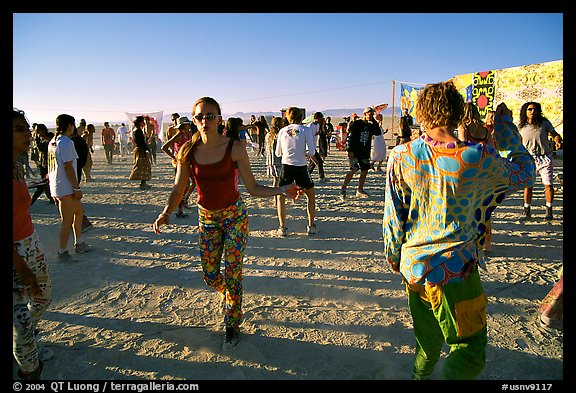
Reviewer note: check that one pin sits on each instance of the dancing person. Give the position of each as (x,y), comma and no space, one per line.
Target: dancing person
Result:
(329,134)
(294,143)
(150,135)
(142,162)
(408,117)
(434,214)
(263,128)
(317,133)
(472,129)
(359,147)
(65,187)
(31,281)
(122,136)
(172,147)
(405,132)
(108,139)
(211,158)
(534,129)
(83,152)
(43,138)
(379,148)
(88,136)
(273,162)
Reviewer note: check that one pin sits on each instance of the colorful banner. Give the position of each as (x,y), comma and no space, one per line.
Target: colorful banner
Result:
(483,92)
(155,118)
(408,97)
(464,84)
(540,82)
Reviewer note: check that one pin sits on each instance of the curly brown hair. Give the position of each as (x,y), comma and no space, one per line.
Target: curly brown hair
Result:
(440,104)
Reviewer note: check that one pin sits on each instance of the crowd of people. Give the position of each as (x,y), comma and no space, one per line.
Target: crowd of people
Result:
(437,245)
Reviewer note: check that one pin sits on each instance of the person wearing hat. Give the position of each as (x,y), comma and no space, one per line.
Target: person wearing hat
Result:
(183,127)
(359,146)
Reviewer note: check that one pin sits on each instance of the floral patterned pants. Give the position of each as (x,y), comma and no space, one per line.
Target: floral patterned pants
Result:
(223,236)
(26,308)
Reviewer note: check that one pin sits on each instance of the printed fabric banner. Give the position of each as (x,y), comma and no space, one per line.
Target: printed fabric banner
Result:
(483,92)
(540,82)
(408,97)
(155,118)
(464,85)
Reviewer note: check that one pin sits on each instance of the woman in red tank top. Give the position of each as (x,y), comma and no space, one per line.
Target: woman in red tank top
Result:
(211,159)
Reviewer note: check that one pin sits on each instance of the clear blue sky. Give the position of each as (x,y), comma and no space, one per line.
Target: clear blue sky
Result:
(99,66)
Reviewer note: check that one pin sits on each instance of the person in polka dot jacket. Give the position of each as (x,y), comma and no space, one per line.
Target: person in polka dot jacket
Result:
(439,196)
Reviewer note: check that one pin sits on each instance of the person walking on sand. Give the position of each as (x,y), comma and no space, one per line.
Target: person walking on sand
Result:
(434,213)
(379,149)
(43,138)
(31,281)
(294,143)
(534,129)
(108,139)
(65,186)
(83,152)
(359,148)
(88,136)
(212,158)
(317,130)
(142,164)
(273,162)
(122,135)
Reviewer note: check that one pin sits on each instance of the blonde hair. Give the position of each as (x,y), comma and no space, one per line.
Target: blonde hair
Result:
(439,104)
(275,126)
(294,115)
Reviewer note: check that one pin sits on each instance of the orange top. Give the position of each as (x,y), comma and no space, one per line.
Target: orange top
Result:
(22,226)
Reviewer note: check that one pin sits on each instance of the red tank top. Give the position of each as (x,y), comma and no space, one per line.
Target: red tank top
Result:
(22,225)
(217,183)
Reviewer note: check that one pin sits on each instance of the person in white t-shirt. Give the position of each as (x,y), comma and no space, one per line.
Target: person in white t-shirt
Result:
(294,143)
(65,187)
(122,135)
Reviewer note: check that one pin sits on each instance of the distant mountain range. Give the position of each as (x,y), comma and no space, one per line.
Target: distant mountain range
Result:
(334,113)
(327,112)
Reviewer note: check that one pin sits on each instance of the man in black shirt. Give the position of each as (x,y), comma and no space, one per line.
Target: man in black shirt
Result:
(358,146)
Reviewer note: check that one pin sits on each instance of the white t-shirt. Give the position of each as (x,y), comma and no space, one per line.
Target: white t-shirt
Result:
(313,130)
(295,141)
(61,150)
(122,133)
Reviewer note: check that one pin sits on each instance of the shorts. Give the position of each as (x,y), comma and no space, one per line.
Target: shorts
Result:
(362,164)
(545,167)
(298,174)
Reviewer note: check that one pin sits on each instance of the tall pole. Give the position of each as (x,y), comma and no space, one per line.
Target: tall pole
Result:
(393,91)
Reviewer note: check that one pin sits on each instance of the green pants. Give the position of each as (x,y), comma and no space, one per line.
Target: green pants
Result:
(454,314)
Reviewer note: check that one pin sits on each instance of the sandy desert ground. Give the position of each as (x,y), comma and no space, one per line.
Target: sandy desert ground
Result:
(316,308)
